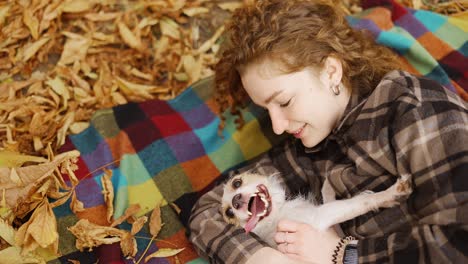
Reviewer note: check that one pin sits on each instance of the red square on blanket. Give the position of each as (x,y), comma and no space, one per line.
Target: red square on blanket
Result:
(171,124)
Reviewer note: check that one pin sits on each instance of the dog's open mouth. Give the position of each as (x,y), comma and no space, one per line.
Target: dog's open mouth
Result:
(259,207)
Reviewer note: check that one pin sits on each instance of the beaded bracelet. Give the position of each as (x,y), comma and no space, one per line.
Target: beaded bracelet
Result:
(338,253)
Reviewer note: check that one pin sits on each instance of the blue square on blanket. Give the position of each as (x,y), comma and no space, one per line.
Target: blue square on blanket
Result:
(87,141)
(133,169)
(209,137)
(186,101)
(128,114)
(431,20)
(186,146)
(89,193)
(157,157)
(100,156)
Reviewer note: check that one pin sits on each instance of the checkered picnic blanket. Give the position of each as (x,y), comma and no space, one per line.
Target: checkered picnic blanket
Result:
(170,151)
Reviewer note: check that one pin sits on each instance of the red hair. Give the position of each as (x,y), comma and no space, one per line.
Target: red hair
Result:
(296,35)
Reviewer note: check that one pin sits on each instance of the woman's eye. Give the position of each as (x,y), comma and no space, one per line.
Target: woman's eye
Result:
(236,183)
(229,213)
(285,104)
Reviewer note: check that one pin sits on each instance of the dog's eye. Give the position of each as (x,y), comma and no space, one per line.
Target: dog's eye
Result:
(229,213)
(236,183)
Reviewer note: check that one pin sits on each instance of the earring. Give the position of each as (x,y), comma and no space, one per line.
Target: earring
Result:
(336,89)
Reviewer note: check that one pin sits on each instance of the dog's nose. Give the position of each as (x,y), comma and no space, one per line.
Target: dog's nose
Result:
(236,201)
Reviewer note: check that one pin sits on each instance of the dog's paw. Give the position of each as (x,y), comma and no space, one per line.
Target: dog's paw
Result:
(399,191)
(403,186)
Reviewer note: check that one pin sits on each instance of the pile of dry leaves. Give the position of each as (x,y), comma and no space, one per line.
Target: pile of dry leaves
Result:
(61,60)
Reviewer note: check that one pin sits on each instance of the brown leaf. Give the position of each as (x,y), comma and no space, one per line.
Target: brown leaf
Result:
(129,38)
(131,210)
(138,224)
(89,235)
(76,205)
(164,252)
(155,223)
(40,230)
(128,245)
(108,193)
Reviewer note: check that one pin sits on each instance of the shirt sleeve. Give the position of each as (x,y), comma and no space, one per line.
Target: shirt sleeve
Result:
(220,242)
(430,141)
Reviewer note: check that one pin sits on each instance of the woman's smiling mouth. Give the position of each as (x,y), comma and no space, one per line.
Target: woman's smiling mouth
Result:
(298,133)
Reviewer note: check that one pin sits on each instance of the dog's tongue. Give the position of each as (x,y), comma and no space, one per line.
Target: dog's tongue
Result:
(257,206)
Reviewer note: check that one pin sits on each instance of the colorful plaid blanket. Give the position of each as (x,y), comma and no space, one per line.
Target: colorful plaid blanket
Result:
(169,152)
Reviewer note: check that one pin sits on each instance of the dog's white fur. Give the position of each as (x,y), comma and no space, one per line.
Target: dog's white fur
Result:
(300,209)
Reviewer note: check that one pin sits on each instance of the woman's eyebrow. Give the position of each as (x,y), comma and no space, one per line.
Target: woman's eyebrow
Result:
(269,99)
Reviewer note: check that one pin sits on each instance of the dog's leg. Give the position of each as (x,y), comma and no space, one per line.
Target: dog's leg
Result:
(335,212)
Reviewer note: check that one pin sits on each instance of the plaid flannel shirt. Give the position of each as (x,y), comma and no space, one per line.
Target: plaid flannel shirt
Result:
(406,126)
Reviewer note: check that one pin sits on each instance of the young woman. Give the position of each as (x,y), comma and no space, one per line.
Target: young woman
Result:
(356,121)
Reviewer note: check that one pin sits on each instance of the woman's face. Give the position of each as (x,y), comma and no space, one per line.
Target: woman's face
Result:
(300,103)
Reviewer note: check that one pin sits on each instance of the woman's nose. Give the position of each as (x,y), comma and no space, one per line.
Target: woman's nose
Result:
(278,121)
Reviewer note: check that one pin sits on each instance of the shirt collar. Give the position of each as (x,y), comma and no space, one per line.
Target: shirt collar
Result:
(351,112)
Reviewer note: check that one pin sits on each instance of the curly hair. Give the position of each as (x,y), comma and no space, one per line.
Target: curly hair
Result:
(296,35)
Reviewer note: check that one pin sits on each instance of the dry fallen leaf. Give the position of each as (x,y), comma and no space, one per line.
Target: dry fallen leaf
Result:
(131,210)
(89,235)
(40,230)
(14,159)
(155,223)
(164,252)
(108,193)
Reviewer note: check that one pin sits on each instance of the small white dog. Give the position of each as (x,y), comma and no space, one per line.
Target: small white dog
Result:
(257,202)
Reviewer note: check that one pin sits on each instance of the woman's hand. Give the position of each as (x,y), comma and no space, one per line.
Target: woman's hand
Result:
(303,242)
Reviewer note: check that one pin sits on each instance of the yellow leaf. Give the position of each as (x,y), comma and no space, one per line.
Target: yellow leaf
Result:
(14,159)
(7,232)
(31,22)
(193,11)
(76,205)
(4,13)
(89,235)
(230,6)
(39,230)
(169,28)
(77,6)
(129,38)
(131,210)
(138,224)
(78,127)
(75,49)
(13,255)
(155,221)
(31,49)
(128,245)
(59,87)
(164,252)
(15,178)
(101,16)
(108,192)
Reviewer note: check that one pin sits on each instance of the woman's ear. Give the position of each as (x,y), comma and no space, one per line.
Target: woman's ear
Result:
(333,70)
